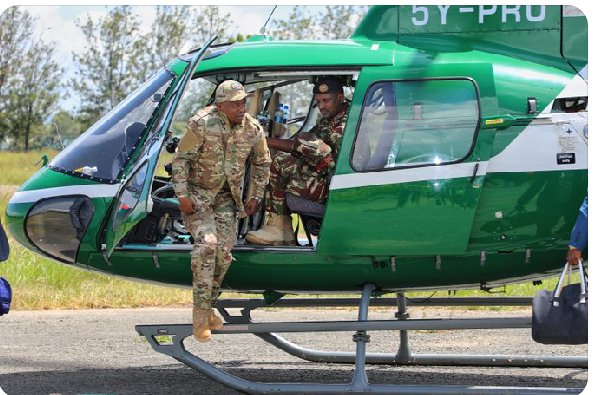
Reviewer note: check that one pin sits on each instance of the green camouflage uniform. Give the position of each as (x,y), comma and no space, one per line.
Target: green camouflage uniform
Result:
(306,171)
(209,169)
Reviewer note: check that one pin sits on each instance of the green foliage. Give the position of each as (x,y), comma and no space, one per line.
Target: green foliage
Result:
(17,167)
(15,33)
(29,79)
(337,22)
(105,74)
(165,39)
(118,58)
(195,97)
(207,22)
(65,128)
(299,26)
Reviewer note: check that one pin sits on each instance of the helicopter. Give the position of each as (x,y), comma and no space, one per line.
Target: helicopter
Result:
(462,165)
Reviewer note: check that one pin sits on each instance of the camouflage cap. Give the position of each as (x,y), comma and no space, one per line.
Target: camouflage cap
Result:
(230,90)
(328,85)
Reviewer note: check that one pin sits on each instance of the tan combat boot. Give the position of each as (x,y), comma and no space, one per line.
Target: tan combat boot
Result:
(278,231)
(215,322)
(202,324)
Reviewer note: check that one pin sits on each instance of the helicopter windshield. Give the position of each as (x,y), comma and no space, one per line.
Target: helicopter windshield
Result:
(103,150)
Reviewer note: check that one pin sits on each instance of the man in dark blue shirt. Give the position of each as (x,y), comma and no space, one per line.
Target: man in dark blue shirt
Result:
(578,237)
(4,248)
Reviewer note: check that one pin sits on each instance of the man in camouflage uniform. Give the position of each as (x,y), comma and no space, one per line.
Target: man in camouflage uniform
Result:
(305,164)
(208,176)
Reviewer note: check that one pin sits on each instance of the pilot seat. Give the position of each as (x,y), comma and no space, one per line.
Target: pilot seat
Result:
(311,214)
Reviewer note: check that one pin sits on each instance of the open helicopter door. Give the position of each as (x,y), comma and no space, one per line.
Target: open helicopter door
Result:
(412,162)
(132,203)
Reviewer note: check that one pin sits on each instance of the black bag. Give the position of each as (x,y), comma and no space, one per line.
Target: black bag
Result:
(5,296)
(560,316)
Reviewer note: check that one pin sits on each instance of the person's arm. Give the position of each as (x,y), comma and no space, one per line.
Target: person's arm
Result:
(578,237)
(260,162)
(187,152)
(280,144)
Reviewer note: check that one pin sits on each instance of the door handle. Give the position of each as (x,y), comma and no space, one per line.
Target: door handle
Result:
(476,167)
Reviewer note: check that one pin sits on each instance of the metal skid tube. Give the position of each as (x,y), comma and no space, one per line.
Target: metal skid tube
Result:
(384,301)
(424,359)
(359,383)
(178,351)
(349,326)
(404,355)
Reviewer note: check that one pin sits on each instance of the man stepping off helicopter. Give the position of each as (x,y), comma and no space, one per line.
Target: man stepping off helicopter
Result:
(210,195)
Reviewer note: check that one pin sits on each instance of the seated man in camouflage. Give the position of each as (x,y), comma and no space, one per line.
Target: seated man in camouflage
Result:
(304,165)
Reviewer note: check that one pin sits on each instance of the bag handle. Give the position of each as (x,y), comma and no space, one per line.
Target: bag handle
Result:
(559,286)
(584,286)
(558,289)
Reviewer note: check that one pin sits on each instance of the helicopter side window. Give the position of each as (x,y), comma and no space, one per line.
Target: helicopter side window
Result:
(416,123)
(103,150)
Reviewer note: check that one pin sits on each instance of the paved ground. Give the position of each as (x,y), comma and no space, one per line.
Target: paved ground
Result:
(99,352)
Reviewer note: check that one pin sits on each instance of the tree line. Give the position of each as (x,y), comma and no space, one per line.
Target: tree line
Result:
(117,58)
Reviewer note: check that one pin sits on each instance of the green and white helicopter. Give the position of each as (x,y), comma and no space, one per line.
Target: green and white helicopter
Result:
(462,165)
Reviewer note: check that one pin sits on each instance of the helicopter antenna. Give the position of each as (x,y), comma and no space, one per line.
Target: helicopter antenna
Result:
(263,28)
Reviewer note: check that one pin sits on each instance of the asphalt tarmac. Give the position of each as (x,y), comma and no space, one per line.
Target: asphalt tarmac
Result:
(99,352)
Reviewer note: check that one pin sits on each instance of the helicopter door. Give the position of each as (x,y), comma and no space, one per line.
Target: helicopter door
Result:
(132,203)
(414,175)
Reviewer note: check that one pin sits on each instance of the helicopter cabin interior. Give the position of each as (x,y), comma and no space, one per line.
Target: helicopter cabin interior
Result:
(402,124)
(290,90)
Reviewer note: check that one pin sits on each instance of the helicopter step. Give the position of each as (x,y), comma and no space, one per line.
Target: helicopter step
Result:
(168,340)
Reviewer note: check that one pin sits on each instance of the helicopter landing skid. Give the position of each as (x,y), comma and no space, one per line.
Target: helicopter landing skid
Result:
(168,340)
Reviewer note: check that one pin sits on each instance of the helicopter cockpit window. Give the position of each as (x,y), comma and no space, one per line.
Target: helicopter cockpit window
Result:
(416,123)
(103,150)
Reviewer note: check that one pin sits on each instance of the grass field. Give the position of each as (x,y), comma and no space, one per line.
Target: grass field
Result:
(40,283)
(16,167)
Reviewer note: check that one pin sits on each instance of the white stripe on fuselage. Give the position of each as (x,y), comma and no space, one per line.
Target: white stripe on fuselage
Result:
(535,149)
(92,191)
(399,176)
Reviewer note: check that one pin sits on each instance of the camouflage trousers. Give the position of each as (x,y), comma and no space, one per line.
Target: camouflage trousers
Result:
(294,175)
(214,230)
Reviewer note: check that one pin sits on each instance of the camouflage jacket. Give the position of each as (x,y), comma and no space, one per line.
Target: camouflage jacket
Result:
(212,153)
(319,147)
